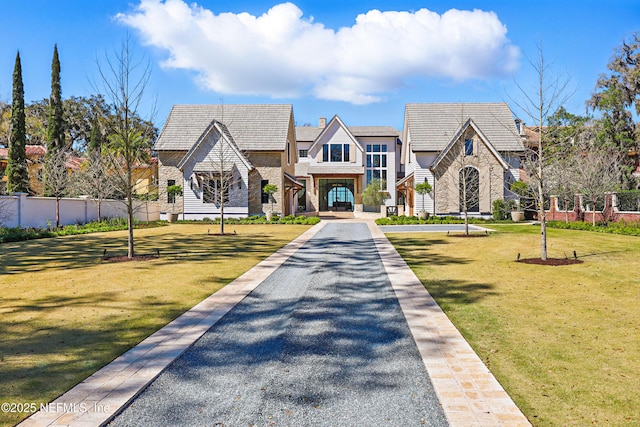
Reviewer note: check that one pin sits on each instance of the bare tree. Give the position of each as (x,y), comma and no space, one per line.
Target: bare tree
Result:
(56,178)
(94,180)
(546,97)
(124,81)
(597,172)
(561,180)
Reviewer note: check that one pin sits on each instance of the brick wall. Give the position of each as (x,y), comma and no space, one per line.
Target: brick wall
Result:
(610,212)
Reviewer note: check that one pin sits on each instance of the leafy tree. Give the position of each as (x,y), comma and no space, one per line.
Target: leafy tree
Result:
(172,192)
(373,194)
(422,189)
(36,118)
(617,98)
(17,171)
(270,189)
(55,161)
(81,115)
(55,131)
(5,123)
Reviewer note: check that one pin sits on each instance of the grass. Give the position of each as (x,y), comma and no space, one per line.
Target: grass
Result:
(563,341)
(64,313)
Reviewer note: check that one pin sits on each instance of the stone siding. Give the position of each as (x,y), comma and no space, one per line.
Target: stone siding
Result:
(168,162)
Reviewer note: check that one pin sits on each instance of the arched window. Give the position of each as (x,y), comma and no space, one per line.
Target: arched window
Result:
(469,189)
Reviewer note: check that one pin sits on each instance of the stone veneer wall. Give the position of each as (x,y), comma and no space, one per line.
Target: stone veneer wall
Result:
(267,166)
(168,170)
(447,196)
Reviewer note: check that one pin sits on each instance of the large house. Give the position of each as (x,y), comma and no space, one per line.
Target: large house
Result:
(466,151)
(229,153)
(336,163)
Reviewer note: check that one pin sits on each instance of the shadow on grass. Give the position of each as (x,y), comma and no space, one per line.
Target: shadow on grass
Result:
(419,253)
(52,359)
(87,250)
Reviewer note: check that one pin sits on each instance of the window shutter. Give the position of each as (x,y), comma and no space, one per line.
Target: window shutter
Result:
(352,153)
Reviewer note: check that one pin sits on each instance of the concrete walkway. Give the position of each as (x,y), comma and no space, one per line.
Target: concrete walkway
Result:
(467,392)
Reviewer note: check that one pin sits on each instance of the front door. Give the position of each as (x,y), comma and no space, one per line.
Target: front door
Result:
(336,194)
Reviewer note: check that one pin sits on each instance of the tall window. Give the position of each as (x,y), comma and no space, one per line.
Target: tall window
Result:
(376,167)
(469,189)
(336,153)
(264,196)
(171,198)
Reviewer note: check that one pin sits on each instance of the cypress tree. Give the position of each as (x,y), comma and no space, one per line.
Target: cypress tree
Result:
(17,170)
(55,131)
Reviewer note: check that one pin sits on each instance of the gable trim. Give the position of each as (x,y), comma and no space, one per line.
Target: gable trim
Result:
(343,126)
(224,136)
(458,135)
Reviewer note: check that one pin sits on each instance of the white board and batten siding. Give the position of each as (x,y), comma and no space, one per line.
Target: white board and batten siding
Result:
(205,161)
(421,171)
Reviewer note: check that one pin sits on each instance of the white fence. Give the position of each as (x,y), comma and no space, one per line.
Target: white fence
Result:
(21,210)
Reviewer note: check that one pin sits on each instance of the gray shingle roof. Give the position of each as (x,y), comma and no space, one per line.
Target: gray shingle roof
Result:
(255,127)
(307,133)
(373,131)
(310,133)
(431,126)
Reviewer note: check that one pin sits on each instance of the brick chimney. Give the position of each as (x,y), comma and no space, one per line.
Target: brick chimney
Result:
(322,122)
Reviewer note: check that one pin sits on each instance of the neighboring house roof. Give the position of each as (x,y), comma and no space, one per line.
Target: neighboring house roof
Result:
(430,127)
(456,137)
(255,127)
(39,152)
(31,151)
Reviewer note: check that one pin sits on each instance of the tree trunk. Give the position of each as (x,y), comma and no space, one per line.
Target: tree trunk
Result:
(222,216)
(466,222)
(130,223)
(57,212)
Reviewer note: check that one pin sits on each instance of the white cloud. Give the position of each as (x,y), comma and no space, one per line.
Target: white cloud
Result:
(283,54)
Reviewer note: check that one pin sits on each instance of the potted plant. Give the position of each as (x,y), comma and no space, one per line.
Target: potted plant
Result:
(422,189)
(270,189)
(521,189)
(173,191)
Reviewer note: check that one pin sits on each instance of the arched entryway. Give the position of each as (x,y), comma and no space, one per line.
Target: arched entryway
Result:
(469,189)
(336,194)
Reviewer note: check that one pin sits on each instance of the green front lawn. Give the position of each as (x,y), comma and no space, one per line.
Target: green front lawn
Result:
(563,341)
(64,313)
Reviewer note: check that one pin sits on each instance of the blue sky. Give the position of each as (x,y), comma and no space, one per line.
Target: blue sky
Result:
(324,57)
